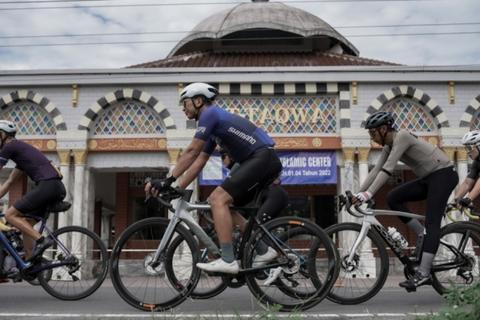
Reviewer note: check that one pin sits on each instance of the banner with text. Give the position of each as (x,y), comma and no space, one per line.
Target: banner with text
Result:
(298,168)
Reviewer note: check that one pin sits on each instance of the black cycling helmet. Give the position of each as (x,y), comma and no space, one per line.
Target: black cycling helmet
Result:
(378,119)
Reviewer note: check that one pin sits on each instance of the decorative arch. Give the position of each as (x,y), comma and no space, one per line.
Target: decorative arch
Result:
(415,94)
(120,95)
(472,109)
(46,104)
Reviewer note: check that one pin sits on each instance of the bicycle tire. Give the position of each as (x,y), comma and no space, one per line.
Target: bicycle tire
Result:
(458,234)
(208,286)
(91,267)
(348,290)
(298,250)
(129,266)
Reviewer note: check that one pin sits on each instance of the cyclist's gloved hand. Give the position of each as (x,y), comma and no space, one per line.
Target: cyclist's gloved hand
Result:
(363,196)
(465,202)
(162,184)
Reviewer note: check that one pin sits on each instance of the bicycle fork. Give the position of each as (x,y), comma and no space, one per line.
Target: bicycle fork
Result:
(366,225)
(159,256)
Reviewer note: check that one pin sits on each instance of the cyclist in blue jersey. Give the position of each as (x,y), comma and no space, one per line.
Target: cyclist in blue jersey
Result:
(49,187)
(247,144)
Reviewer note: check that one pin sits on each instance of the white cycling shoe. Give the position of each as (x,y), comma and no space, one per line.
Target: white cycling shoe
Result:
(263,259)
(220,265)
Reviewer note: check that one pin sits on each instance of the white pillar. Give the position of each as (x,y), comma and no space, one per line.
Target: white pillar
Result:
(88,219)
(347,179)
(462,164)
(64,156)
(78,190)
(362,164)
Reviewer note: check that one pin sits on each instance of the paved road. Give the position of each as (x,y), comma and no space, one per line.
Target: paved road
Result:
(22,301)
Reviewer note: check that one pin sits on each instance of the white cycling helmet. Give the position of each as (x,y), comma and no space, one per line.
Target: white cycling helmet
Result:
(471,138)
(7,126)
(198,89)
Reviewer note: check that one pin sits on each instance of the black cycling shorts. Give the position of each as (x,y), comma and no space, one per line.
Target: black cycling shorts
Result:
(46,192)
(262,167)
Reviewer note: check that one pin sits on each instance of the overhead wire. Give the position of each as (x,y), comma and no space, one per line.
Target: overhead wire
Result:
(172,3)
(227,40)
(69,35)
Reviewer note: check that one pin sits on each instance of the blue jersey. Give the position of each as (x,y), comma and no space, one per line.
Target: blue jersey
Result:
(236,134)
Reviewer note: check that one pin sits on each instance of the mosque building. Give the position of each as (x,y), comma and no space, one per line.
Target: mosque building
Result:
(285,69)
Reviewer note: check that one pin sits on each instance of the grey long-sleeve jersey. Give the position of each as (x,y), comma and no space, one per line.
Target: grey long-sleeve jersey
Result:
(422,157)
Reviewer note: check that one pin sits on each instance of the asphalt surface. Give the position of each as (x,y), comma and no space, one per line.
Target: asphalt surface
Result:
(23,301)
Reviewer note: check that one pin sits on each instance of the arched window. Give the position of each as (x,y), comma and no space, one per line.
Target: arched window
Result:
(128,117)
(410,116)
(286,115)
(30,118)
(475,121)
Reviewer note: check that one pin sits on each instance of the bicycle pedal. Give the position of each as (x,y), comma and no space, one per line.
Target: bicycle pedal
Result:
(411,289)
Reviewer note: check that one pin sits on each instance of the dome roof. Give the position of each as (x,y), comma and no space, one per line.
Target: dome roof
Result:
(259,19)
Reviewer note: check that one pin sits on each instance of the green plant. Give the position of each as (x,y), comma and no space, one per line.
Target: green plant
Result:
(461,304)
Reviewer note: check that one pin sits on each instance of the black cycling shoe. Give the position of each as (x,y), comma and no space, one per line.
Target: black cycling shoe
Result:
(40,247)
(416,281)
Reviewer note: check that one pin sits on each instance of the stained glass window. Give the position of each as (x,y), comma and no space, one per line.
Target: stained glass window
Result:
(409,115)
(281,115)
(476,121)
(129,117)
(30,118)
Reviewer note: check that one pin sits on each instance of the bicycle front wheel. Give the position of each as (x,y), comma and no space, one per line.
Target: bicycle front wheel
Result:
(457,262)
(362,276)
(208,286)
(307,268)
(85,264)
(154,288)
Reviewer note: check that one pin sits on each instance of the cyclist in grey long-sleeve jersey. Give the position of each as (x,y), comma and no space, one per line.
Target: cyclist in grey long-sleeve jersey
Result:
(436,181)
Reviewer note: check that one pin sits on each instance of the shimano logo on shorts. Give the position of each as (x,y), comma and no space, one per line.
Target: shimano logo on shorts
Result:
(242,135)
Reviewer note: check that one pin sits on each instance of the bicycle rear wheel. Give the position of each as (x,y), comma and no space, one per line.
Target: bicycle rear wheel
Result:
(153,288)
(457,262)
(87,266)
(360,279)
(309,269)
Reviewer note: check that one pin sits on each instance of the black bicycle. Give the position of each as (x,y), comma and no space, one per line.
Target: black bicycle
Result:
(71,269)
(153,263)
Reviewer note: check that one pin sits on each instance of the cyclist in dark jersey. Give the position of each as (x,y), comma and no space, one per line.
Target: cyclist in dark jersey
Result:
(272,201)
(249,145)
(49,187)
(436,181)
(471,184)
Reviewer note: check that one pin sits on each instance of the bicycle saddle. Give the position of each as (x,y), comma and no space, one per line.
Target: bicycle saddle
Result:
(59,206)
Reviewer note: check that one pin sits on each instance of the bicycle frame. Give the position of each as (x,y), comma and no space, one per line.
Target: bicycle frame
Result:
(181,214)
(21,264)
(369,219)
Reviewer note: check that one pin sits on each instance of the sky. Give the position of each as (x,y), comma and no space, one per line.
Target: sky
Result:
(432,32)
